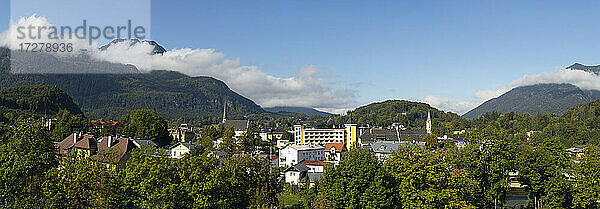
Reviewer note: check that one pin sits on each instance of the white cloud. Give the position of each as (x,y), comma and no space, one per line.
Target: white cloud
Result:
(19,32)
(581,79)
(449,104)
(308,88)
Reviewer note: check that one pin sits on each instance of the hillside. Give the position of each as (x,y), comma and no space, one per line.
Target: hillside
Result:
(548,98)
(406,113)
(172,94)
(38,63)
(106,90)
(35,99)
(303,110)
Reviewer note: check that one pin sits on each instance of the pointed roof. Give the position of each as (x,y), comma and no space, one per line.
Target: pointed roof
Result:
(338,146)
(115,151)
(83,141)
(298,167)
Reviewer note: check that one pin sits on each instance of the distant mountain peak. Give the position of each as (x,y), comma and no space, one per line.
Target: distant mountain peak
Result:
(158,49)
(538,98)
(592,69)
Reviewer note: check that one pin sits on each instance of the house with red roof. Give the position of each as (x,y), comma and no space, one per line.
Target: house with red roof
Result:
(80,144)
(334,152)
(107,149)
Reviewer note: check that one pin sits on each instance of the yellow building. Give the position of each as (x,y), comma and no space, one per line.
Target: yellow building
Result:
(346,135)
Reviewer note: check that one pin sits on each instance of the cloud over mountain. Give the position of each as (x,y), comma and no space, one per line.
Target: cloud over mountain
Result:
(582,79)
(308,88)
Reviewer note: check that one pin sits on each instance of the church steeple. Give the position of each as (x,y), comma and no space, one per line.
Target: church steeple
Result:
(224,111)
(428,124)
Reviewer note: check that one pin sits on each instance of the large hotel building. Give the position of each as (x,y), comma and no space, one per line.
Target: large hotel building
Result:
(347,135)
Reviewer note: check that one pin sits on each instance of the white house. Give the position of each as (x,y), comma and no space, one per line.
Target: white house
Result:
(295,173)
(334,152)
(180,149)
(294,154)
(307,171)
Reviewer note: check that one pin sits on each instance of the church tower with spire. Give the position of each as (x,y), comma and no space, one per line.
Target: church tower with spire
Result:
(428,124)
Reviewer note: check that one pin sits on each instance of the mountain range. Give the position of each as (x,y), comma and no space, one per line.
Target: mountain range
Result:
(303,110)
(540,98)
(109,90)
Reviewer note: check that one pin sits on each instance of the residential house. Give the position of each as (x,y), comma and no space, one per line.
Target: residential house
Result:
(383,149)
(294,173)
(294,154)
(114,149)
(307,171)
(79,143)
(334,152)
(107,149)
(180,149)
(183,133)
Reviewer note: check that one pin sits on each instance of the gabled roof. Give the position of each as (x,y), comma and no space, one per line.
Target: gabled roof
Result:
(305,147)
(339,147)
(238,125)
(314,163)
(83,142)
(298,167)
(379,134)
(115,151)
(143,142)
(385,147)
(412,135)
(189,145)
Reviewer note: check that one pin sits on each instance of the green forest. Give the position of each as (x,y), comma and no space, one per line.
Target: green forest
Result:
(437,176)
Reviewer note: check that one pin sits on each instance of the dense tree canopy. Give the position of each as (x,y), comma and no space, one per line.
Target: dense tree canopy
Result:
(145,124)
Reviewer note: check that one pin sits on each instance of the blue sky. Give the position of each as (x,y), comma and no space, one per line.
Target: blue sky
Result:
(387,49)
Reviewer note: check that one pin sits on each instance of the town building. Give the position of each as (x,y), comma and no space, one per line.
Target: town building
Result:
(107,149)
(347,135)
(180,149)
(396,132)
(99,125)
(307,171)
(239,126)
(78,143)
(141,143)
(459,143)
(383,149)
(114,149)
(293,154)
(334,152)
(183,133)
